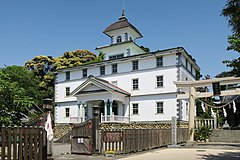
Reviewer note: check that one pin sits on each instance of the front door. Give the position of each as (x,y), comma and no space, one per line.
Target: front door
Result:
(115,108)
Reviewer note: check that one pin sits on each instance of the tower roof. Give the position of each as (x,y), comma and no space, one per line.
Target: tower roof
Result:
(121,23)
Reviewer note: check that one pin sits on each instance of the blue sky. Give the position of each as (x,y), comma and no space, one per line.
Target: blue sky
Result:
(51,27)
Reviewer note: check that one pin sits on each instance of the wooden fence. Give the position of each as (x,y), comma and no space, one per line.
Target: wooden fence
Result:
(133,140)
(23,143)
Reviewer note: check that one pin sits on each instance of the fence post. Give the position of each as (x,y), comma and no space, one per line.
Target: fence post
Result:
(95,129)
(215,122)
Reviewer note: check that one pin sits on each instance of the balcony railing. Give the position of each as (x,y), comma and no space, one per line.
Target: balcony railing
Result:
(114,119)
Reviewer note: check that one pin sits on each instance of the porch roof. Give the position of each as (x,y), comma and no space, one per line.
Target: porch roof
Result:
(101,83)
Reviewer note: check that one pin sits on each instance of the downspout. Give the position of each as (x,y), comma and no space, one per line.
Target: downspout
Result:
(129,112)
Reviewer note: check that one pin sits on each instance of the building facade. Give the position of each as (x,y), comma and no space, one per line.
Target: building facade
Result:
(129,85)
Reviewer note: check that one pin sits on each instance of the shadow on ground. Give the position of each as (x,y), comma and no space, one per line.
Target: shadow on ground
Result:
(221,156)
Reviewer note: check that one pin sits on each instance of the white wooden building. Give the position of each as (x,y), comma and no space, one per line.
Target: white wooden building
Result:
(129,85)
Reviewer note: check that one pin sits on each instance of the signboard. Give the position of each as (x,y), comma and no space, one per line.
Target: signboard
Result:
(216,88)
(112,136)
(174,131)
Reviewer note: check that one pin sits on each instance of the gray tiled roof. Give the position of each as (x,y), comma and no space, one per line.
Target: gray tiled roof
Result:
(121,23)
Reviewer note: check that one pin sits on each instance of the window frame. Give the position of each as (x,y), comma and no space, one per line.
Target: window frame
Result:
(67,112)
(160,107)
(159,61)
(84,73)
(119,39)
(135,65)
(102,70)
(187,108)
(135,109)
(159,84)
(135,86)
(67,91)
(116,56)
(126,36)
(114,68)
(68,76)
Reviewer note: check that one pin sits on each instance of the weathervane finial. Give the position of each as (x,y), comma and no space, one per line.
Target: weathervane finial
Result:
(123,14)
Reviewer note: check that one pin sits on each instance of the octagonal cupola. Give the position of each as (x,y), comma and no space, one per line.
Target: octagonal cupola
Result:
(123,35)
(122,31)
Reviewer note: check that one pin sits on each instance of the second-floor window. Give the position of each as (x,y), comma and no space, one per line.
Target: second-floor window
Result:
(135,65)
(67,75)
(84,73)
(159,81)
(114,68)
(135,84)
(119,39)
(159,61)
(102,70)
(67,89)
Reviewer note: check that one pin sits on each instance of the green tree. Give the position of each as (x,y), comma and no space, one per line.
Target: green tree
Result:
(15,85)
(44,67)
(73,59)
(145,49)
(232,12)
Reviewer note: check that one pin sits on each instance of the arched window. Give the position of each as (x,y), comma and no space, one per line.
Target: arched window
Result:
(119,39)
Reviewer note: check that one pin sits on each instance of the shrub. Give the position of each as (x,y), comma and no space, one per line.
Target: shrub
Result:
(202,133)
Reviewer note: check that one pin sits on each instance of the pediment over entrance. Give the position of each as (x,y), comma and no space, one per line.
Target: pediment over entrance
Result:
(97,85)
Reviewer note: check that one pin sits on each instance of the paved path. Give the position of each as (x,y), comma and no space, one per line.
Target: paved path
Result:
(188,154)
(205,152)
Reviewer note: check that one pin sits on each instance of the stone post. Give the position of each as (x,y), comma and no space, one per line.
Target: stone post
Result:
(191,116)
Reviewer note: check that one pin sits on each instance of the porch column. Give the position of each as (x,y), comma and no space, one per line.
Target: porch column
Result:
(105,111)
(111,106)
(79,111)
(105,108)
(83,111)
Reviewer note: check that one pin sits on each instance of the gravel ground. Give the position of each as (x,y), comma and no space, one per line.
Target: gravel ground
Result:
(61,149)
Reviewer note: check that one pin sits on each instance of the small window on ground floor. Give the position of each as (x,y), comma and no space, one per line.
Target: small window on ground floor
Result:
(135,108)
(159,107)
(67,112)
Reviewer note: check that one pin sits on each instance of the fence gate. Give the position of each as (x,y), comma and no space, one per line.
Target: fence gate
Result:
(82,142)
(23,143)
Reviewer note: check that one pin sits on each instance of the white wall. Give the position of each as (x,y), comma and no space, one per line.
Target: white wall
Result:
(146,74)
(60,112)
(148,107)
(146,96)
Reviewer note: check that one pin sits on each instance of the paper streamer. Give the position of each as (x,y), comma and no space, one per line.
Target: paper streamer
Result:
(213,114)
(234,107)
(224,112)
(203,107)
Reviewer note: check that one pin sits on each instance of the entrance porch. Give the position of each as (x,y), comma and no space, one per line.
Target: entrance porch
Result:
(112,102)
